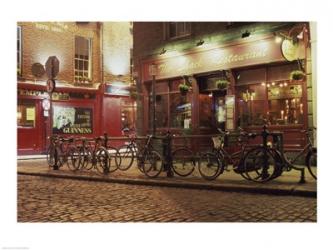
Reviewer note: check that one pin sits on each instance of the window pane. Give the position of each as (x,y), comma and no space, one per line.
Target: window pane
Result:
(251,112)
(172,29)
(205,110)
(285,105)
(180,110)
(26,114)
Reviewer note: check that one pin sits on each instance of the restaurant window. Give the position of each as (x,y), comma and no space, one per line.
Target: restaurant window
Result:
(206,110)
(128,111)
(176,30)
(172,109)
(267,93)
(251,104)
(26,114)
(82,70)
(19,50)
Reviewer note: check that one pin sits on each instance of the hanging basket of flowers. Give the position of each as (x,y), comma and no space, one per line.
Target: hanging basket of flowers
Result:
(183,88)
(297,75)
(222,84)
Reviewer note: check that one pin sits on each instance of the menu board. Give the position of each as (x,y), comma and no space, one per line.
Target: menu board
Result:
(230,107)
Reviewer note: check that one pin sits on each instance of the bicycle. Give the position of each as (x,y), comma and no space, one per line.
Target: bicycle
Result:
(127,153)
(54,152)
(309,152)
(69,153)
(213,164)
(149,160)
(94,156)
(271,158)
(181,160)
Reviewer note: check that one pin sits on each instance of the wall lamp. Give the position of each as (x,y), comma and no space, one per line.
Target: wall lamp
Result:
(163,51)
(201,42)
(246,34)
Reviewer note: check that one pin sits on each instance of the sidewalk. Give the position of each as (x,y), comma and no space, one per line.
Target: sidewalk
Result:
(287,184)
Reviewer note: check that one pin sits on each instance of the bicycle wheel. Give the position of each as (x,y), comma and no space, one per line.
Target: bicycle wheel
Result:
(102,157)
(152,164)
(126,154)
(85,158)
(183,162)
(260,165)
(74,160)
(114,159)
(210,166)
(312,163)
(53,156)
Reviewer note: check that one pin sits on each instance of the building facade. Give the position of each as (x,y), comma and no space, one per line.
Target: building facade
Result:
(92,93)
(238,75)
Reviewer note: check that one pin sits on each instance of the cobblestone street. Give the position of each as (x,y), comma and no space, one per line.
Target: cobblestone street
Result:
(42,199)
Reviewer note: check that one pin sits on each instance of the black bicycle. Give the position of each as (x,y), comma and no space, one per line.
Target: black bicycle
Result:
(150,160)
(270,161)
(213,164)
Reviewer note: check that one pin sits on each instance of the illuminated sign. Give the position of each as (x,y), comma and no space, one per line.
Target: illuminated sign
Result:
(233,56)
(117,90)
(72,120)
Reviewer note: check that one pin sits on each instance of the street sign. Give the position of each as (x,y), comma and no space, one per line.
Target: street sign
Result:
(52,67)
(37,70)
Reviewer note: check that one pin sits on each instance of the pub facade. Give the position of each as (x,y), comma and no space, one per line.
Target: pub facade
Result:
(237,74)
(92,92)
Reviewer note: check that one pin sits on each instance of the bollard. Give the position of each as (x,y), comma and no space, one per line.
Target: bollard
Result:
(55,166)
(167,154)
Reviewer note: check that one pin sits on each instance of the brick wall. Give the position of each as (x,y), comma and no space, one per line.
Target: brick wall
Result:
(43,39)
(117,44)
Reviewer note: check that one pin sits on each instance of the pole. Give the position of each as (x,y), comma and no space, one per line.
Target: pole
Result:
(154,105)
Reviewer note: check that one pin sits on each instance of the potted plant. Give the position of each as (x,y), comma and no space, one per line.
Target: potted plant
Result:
(183,88)
(297,75)
(222,84)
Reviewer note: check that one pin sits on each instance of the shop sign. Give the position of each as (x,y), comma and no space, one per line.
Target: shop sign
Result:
(72,120)
(290,50)
(230,107)
(117,90)
(233,56)
(31,92)
(60,96)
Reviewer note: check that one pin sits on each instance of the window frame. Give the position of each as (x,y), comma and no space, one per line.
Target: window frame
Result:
(19,39)
(177,36)
(88,79)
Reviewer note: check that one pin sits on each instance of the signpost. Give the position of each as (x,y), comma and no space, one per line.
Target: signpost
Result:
(52,70)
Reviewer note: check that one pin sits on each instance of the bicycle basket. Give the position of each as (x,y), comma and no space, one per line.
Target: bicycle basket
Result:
(217,141)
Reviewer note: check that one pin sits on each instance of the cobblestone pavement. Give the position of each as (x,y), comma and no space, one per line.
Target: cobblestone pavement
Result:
(43,199)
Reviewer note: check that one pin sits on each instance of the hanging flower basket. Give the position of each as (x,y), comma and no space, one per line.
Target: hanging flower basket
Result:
(222,84)
(297,75)
(183,88)
(133,95)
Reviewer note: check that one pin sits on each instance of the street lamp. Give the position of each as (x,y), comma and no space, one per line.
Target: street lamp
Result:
(153,73)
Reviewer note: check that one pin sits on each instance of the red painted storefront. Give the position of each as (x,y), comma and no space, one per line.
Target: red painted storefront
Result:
(98,112)
(252,63)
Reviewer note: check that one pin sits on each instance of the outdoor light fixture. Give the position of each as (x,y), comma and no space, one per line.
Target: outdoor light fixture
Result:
(201,42)
(163,51)
(263,84)
(246,34)
(278,39)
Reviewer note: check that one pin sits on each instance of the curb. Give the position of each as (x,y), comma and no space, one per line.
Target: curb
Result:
(188,185)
